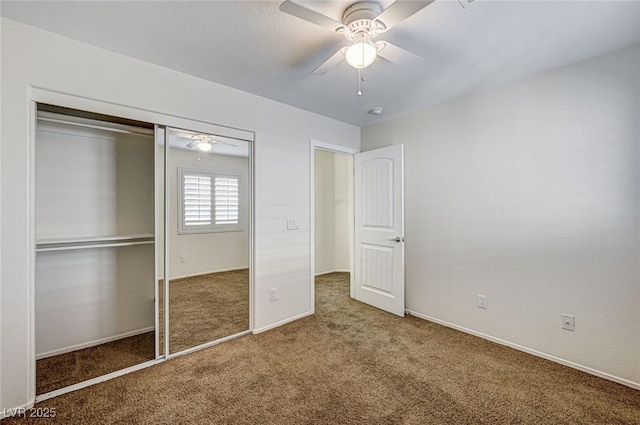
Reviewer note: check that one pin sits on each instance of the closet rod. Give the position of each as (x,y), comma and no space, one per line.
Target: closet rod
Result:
(123,129)
(79,247)
(88,240)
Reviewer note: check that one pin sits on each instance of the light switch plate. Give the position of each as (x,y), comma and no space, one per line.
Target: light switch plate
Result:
(482,301)
(293,224)
(274,296)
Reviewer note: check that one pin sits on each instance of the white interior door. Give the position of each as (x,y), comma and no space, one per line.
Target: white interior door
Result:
(379,228)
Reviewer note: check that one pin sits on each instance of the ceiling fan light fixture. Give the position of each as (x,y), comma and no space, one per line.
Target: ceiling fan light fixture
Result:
(204,146)
(361,54)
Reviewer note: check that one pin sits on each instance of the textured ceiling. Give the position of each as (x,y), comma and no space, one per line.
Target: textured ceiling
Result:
(252,46)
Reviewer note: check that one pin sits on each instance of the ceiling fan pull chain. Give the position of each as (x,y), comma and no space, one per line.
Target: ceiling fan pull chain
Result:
(359,80)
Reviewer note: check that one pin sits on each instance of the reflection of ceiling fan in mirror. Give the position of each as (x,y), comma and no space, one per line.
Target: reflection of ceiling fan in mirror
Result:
(205,142)
(362,23)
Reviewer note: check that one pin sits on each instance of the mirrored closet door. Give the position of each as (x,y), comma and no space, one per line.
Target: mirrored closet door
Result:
(95,269)
(208,186)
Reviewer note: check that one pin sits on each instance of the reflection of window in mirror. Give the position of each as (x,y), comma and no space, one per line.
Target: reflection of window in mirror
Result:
(210,201)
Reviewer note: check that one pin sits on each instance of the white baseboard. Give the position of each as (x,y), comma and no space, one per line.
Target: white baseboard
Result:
(231,269)
(333,271)
(591,371)
(282,322)
(92,343)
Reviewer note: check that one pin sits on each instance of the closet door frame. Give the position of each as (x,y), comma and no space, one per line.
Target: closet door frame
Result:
(43,95)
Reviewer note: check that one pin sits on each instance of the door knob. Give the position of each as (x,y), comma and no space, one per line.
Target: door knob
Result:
(397,239)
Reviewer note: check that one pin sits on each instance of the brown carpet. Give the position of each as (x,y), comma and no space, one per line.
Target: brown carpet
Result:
(202,309)
(352,364)
(208,307)
(67,369)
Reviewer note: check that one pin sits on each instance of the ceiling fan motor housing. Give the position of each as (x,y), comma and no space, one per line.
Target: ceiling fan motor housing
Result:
(359,17)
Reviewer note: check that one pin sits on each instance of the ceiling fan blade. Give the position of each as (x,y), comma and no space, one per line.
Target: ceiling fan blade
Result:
(395,54)
(334,60)
(193,144)
(309,15)
(400,10)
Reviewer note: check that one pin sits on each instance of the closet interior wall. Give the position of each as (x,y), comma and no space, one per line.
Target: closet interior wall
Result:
(95,256)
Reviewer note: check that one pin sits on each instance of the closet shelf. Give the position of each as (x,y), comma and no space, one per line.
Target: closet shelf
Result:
(67,244)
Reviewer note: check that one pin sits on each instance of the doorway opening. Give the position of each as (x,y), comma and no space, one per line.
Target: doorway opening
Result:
(333,218)
(375,205)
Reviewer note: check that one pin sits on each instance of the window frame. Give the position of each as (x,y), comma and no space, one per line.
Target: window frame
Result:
(213,227)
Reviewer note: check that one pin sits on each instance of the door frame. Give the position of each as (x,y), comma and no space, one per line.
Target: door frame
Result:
(343,150)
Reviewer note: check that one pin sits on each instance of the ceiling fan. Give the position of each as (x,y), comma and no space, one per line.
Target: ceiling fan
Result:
(205,142)
(362,23)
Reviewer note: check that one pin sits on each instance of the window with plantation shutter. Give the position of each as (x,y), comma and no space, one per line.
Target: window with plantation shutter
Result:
(210,202)
(227,200)
(197,201)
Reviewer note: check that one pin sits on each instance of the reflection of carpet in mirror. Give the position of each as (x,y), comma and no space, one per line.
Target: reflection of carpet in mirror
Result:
(207,307)
(60,371)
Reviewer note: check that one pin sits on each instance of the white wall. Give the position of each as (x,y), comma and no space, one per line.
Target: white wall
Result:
(111,82)
(333,211)
(92,183)
(92,296)
(529,195)
(324,212)
(214,251)
(343,201)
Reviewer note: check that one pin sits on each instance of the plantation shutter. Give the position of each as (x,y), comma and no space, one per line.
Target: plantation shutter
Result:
(197,201)
(227,201)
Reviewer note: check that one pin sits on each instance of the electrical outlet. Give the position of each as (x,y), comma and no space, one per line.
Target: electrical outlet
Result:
(568,322)
(482,301)
(274,296)
(183,258)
